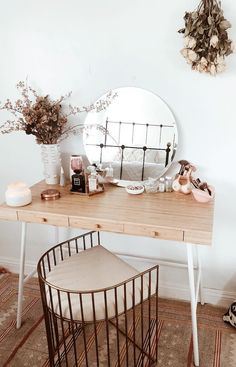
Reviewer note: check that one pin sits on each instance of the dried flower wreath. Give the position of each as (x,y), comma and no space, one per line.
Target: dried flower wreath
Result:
(206,38)
(45,118)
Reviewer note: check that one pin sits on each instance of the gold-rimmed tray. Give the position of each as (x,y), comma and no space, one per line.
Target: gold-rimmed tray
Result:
(99,190)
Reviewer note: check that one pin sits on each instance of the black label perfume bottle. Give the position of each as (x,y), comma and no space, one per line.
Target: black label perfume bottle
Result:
(78,181)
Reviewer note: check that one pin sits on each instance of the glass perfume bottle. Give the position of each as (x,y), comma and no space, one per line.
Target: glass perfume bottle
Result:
(168,182)
(93,181)
(162,184)
(76,163)
(109,173)
(78,181)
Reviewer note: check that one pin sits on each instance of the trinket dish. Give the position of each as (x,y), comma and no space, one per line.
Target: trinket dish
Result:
(50,194)
(135,189)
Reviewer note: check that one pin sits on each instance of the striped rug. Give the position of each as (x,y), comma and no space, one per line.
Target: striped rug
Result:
(27,346)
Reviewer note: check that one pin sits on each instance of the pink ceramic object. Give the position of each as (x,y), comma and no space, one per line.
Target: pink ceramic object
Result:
(203,196)
(182,184)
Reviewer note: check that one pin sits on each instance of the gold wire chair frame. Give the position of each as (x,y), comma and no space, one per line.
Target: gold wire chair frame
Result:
(75,326)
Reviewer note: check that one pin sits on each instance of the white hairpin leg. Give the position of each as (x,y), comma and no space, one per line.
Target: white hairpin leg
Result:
(56,234)
(193,304)
(199,265)
(21,275)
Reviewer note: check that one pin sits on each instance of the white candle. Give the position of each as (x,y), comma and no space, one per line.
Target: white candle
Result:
(18,194)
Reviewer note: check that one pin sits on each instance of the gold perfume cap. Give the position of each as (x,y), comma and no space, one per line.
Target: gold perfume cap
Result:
(50,194)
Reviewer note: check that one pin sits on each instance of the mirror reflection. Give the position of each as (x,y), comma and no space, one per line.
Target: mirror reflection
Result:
(142,135)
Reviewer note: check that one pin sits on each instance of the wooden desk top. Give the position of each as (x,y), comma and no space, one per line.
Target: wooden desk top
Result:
(171,216)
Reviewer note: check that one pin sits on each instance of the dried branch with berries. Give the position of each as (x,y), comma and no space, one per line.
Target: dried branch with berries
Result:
(44,118)
(206,38)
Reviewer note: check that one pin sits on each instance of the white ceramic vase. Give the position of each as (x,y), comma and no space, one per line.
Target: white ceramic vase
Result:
(51,157)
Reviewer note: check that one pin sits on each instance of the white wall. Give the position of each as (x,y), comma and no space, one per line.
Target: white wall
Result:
(90,47)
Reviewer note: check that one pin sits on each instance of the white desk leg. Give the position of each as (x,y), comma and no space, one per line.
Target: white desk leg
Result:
(22,271)
(21,275)
(56,235)
(199,265)
(193,304)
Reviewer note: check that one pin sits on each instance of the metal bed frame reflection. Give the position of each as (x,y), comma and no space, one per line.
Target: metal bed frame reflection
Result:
(170,146)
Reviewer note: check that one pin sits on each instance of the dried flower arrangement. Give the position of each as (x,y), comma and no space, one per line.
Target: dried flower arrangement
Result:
(45,118)
(206,38)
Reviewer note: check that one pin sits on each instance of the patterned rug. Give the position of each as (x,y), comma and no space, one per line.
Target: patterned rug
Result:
(27,346)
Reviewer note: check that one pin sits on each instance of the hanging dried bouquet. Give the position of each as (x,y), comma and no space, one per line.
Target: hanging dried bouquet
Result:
(206,38)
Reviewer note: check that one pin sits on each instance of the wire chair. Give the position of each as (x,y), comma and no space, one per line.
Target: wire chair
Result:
(99,311)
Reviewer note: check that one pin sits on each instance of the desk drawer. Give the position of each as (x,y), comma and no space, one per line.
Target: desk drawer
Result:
(155,232)
(8,214)
(44,218)
(97,225)
(198,237)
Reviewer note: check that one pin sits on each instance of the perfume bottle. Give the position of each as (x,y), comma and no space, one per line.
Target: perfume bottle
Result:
(168,182)
(76,163)
(78,181)
(109,172)
(93,181)
(162,184)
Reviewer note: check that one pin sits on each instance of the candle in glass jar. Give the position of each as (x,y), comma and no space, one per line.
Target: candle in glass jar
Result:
(18,194)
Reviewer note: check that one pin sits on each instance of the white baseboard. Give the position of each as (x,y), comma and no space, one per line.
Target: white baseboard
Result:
(166,290)
(12,264)
(214,297)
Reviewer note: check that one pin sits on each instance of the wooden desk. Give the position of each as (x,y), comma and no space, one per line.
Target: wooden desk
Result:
(169,216)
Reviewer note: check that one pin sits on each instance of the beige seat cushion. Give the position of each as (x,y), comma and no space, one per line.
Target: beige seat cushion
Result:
(91,270)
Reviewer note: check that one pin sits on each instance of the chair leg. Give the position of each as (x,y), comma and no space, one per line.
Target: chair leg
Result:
(58,354)
(153,360)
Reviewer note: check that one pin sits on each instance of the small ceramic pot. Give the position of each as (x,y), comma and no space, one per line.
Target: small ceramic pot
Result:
(203,196)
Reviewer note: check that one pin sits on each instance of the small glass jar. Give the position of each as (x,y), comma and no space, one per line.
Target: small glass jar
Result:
(151,186)
(168,182)
(162,184)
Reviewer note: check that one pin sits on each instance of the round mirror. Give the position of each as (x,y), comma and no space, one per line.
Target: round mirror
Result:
(141,138)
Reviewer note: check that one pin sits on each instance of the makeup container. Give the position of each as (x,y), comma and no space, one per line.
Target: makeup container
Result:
(50,194)
(203,196)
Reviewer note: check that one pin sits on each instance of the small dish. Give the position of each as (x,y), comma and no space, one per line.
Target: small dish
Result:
(135,189)
(203,196)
